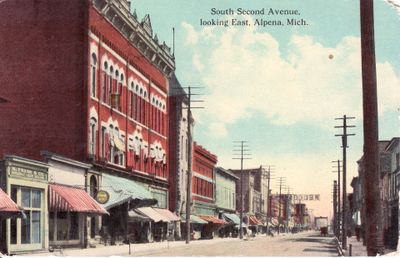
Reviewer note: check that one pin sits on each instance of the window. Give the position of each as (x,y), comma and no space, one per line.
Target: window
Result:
(93,68)
(104,84)
(110,85)
(29,228)
(92,136)
(103,138)
(397,160)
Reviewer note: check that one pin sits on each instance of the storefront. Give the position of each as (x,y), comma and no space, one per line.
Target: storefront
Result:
(25,181)
(71,206)
(196,226)
(8,209)
(122,225)
(233,226)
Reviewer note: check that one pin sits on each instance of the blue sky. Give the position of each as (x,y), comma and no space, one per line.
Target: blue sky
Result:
(276,86)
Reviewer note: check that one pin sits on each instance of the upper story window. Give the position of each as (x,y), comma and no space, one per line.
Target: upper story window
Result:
(110,85)
(104,83)
(92,136)
(93,69)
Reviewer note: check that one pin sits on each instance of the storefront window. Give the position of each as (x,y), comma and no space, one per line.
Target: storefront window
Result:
(62,226)
(74,228)
(29,227)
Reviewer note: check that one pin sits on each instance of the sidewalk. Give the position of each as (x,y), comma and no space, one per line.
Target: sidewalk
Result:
(357,248)
(123,250)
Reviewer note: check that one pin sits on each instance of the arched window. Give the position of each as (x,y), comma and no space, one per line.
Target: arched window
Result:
(116,84)
(110,84)
(92,136)
(93,68)
(130,106)
(93,186)
(104,86)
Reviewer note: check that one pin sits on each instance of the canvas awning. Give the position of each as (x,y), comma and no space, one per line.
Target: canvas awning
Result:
(8,207)
(194,219)
(152,214)
(134,216)
(67,198)
(231,217)
(212,219)
(168,214)
(123,190)
(119,144)
(254,221)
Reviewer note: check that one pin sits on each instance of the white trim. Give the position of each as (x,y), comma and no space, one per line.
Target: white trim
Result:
(196,174)
(133,69)
(154,86)
(202,196)
(93,36)
(112,52)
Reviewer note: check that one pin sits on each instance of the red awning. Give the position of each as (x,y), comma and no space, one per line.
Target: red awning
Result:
(212,219)
(67,198)
(7,206)
(254,221)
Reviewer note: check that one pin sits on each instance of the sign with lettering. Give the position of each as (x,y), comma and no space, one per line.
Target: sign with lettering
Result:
(27,173)
(305,197)
(102,196)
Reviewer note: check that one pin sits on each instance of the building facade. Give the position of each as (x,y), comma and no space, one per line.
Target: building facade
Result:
(178,146)
(91,83)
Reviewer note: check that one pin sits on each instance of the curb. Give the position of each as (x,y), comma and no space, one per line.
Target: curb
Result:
(340,250)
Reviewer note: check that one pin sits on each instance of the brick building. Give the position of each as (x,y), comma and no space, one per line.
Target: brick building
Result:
(87,80)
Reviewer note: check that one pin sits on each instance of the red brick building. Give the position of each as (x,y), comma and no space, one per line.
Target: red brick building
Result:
(87,80)
(203,180)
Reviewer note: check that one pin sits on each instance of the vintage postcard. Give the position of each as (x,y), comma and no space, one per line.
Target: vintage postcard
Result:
(199,128)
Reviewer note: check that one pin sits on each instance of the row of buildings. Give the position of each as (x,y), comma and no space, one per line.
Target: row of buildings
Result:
(389,184)
(94,136)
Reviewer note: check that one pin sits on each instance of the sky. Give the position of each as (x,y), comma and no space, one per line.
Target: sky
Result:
(280,87)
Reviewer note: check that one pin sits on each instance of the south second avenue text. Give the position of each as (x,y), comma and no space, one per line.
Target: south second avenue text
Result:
(256,22)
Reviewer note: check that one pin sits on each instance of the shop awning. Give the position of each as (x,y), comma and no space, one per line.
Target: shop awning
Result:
(134,216)
(8,207)
(123,190)
(194,219)
(152,214)
(119,144)
(254,221)
(274,222)
(168,214)
(67,198)
(212,219)
(231,217)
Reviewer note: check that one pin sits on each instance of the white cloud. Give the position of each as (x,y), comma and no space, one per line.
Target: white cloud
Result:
(246,72)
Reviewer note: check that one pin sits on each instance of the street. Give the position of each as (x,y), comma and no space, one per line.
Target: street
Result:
(301,244)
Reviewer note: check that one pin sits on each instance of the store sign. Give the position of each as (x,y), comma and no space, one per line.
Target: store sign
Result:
(102,197)
(305,197)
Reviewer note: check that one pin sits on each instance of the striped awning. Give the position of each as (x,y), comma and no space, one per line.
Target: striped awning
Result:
(67,198)
(254,221)
(152,214)
(193,219)
(212,219)
(168,214)
(7,206)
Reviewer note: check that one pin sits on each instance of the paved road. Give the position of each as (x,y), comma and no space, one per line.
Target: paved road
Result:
(301,244)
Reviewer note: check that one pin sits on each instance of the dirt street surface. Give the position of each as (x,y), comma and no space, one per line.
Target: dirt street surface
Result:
(301,244)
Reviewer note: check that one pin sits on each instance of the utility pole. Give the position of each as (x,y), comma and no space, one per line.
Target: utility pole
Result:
(338,199)
(189,157)
(241,154)
(374,228)
(267,174)
(288,200)
(344,198)
(281,181)
(335,206)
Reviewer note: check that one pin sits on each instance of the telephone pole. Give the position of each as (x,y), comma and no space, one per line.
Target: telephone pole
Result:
(267,174)
(281,182)
(189,157)
(335,208)
(240,151)
(338,199)
(374,228)
(344,197)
